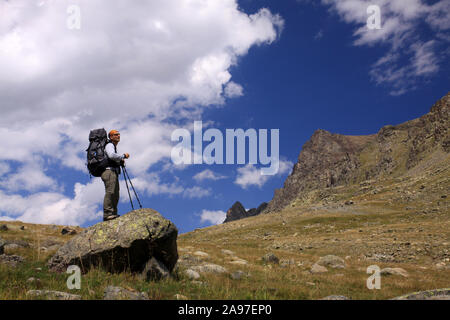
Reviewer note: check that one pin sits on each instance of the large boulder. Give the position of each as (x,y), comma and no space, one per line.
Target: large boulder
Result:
(125,243)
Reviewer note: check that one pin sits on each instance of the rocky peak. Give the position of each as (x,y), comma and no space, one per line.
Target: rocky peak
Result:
(237,211)
(328,160)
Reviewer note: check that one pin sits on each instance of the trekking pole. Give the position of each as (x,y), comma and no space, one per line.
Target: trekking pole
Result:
(129,195)
(131,183)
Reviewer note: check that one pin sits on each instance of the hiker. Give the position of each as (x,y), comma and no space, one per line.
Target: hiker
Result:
(110,176)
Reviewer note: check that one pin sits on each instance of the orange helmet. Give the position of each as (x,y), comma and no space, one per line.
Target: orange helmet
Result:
(112,132)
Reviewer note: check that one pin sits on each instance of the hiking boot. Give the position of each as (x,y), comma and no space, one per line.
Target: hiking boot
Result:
(111,217)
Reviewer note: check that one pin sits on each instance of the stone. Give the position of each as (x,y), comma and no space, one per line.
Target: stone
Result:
(209,268)
(394,271)
(437,294)
(155,270)
(52,295)
(180,297)
(335,297)
(228,252)
(270,258)
(318,269)
(2,246)
(191,274)
(69,231)
(201,254)
(4,227)
(331,261)
(119,293)
(125,243)
(238,275)
(11,246)
(241,262)
(11,260)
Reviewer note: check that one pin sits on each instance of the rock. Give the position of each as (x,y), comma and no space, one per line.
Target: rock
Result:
(22,228)
(270,258)
(286,263)
(335,297)
(69,231)
(125,243)
(188,260)
(2,246)
(237,211)
(441,266)
(201,254)
(228,252)
(394,271)
(209,268)
(318,269)
(4,227)
(34,281)
(11,260)
(331,261)
(52,295)
(118,293)
(180,297)
(238,275)
(11,246)
(437,294)
(155,270)
(239,261)
(191,274)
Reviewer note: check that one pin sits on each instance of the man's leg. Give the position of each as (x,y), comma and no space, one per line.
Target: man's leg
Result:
(116,192)
(108,178)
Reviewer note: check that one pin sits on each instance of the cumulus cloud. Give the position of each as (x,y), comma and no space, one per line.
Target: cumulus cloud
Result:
(208,174)
(410,57)
(214,217)
(128,67)
(250,175)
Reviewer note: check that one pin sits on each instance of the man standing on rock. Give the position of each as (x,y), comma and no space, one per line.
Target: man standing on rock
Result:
(110,176)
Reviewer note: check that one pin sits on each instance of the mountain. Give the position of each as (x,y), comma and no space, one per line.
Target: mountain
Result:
(237,211)
(328,161)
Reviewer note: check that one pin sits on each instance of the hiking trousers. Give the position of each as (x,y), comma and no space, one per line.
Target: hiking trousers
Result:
(111,181)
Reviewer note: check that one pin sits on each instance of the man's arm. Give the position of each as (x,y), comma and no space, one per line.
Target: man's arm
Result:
(109,149)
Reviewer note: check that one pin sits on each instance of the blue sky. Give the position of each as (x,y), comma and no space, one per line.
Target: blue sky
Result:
(296,66)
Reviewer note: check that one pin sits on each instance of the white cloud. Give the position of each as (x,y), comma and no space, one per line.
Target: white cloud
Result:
(129,67)
(251,176)
(54,208)
(409,58)
(208,174)
(214,217)
(30,177)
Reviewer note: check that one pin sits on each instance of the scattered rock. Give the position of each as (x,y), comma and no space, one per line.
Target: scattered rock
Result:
(22,228)
(394,271)
(239,261)
(331,261)
(441,266)
(209,268)
(286,263)
(4,227)
(228,252)
(2,245)
(349,202)
(125,243)
(191,274)
(155,270)
(11,260)
(52,295)
(118,293)
(437,294)
(201,254)
(335,297)
(270,258)
(318,269)
(69,231)
(238,275)
(34,281)
(180,297)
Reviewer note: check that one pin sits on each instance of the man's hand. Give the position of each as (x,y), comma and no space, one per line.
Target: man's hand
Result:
(126,155)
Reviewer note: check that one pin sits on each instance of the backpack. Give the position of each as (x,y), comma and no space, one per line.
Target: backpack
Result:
(97,160)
